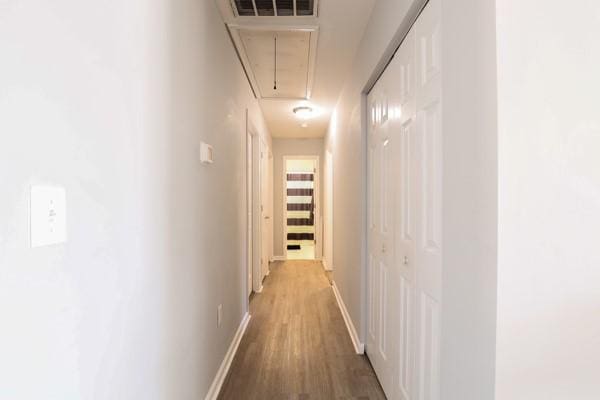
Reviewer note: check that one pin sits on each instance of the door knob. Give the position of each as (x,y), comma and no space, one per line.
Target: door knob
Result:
(383,249)
(405,260)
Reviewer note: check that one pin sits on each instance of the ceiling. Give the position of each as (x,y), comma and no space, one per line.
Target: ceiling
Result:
(314,56)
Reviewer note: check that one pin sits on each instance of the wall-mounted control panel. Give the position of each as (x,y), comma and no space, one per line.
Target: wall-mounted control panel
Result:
(48,215)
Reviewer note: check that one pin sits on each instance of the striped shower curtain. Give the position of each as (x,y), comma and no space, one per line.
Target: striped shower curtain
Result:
(300,209)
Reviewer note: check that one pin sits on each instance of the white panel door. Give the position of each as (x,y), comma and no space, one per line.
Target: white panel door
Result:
(407,208)
(404,216)
(249,205)
(429,222)
(264,209)
(383,270)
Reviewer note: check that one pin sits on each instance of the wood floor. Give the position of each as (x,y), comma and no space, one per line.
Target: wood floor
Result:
(296,345)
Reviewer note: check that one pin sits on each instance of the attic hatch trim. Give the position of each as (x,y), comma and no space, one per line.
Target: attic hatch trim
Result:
(257,10)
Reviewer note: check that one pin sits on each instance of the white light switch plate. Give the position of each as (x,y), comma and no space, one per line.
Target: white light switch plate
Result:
(48,215)
(206,153)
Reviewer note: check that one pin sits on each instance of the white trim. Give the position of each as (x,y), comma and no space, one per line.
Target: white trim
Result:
(278,258)
(358,346)
(325,265)
(215,387)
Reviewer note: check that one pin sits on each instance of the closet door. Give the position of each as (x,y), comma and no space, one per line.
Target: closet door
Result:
(407,209)
(404,216)
(382,268)
(429,220)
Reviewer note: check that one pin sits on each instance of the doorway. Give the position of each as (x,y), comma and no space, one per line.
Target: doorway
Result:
(300,208)
(259,172)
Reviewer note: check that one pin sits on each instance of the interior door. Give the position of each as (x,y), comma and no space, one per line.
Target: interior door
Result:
(249,205)
(404,214)
(383,269)
(264,209)
(407,209)
(428,256)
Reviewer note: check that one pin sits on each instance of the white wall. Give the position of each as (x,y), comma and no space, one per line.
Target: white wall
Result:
(549,198)
(470,185)
(111,99)
(290,147)
(469,102)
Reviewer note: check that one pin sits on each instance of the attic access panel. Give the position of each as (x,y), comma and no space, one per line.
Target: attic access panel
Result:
(275,8)
(294,62)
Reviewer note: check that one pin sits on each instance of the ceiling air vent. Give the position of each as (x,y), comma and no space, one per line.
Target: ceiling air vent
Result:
(275,8)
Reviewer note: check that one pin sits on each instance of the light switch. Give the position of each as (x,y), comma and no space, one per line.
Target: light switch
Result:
(206,153)
(48,211)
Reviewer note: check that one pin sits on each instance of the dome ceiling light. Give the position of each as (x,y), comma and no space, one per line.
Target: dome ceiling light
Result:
(303,112)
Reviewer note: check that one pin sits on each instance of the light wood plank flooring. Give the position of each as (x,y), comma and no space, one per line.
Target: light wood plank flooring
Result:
(296,345)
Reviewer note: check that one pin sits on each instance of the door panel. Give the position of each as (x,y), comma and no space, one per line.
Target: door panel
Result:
(429,226)
(383,321)
(404,216)
(407,207)
(249,205)
(264,209)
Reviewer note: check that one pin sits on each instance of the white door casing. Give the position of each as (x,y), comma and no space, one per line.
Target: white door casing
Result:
(328,226)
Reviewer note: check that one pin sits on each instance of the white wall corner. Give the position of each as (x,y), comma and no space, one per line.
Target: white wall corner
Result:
(215,387)
(359,347)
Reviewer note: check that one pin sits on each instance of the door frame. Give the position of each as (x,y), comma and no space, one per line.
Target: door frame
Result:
(256,240)
(328,213)
(316,194)
(249,270)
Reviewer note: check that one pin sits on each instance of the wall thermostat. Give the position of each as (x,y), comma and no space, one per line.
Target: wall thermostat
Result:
(206,153)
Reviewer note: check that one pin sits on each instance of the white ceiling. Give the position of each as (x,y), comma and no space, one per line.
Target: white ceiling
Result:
(340,23)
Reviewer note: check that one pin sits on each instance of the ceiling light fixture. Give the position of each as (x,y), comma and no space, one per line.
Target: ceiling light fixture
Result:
(303,112)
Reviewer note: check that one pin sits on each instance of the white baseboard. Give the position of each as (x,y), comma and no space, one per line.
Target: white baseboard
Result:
(326,266)
(215,388)
(358,346)
(278,258)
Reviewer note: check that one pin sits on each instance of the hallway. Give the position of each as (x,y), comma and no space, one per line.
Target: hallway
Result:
(296,345)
